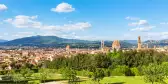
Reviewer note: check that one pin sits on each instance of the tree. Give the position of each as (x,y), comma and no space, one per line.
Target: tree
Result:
(70,74)
(44,74)
(154,73)
(102,60)
(17,77)
(120,70)
(135,71)
(26,73)
(12,76)
(98,75)
(165,66)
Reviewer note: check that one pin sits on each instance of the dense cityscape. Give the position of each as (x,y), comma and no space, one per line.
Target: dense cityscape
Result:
(17,58)
(35,55)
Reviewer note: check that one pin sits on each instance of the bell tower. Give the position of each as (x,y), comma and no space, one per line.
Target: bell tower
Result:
(139,42)
(102,45)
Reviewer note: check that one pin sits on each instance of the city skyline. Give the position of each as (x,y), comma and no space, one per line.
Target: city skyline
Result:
(88,20)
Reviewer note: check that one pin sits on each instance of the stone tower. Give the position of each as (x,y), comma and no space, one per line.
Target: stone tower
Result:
(139,42)
(102,45)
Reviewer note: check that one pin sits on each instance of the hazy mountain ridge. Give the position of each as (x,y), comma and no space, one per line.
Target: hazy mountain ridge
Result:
(131,41)
(54,41)
(157,42)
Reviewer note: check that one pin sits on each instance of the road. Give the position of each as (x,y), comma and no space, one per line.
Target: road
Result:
(56,82)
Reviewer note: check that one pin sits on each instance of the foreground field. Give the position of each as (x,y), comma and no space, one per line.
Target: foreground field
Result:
(106,80)
(121,80)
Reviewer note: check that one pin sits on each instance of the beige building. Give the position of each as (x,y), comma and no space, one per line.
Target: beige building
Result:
(67,48)
(116,45)
(139,43)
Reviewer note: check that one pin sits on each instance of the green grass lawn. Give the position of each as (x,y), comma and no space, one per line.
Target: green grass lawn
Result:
(124,80)
(106,80)
(120,80)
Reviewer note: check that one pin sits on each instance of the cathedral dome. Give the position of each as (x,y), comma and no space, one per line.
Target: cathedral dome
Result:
(116,45)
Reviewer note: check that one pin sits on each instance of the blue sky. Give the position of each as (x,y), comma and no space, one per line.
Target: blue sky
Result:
(84,19)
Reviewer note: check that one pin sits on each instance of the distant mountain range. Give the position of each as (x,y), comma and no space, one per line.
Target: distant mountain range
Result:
(131,41)
(57,42)
(54,41)
(151,43)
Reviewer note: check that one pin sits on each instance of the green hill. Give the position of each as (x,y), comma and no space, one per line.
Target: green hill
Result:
(54,41)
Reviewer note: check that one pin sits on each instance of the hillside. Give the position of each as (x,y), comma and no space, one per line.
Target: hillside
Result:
(54,41)
(151,43)
(131,41)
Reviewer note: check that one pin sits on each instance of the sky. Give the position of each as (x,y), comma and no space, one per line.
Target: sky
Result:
(84,19)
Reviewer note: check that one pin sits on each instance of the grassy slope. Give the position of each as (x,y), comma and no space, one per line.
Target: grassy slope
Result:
(120,80)
(106,80)
(124,79)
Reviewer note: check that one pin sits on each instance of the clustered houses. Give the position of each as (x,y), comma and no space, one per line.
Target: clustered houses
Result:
(8,58)
(18,58)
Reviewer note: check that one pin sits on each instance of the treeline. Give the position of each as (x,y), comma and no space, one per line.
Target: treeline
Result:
(111,60)
(117,63)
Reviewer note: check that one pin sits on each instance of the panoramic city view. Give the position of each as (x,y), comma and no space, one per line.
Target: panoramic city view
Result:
(83,42)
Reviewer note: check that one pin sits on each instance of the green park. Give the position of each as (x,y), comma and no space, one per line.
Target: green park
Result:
(118,67)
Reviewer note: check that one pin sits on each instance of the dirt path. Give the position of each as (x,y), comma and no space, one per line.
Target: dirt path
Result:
(56,82)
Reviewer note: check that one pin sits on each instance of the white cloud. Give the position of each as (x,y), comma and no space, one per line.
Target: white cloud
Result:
(5,34)
(77,26)
(143,22)
(23,34)
(9,20)
(146,28)
(73,33)
(145,35)
(69,27)
(70,35)
(3,7)
(131,18)
(164,23)
(22,21)
(158,35)
(139,23)
(63,7)
(164,33)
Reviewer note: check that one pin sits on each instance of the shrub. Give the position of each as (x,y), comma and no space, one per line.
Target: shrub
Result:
(154,73)
(119,71)
(4,72)
(107,72)
(7,78)
(84,73)
(135,71)
(128,72)
(98,75)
